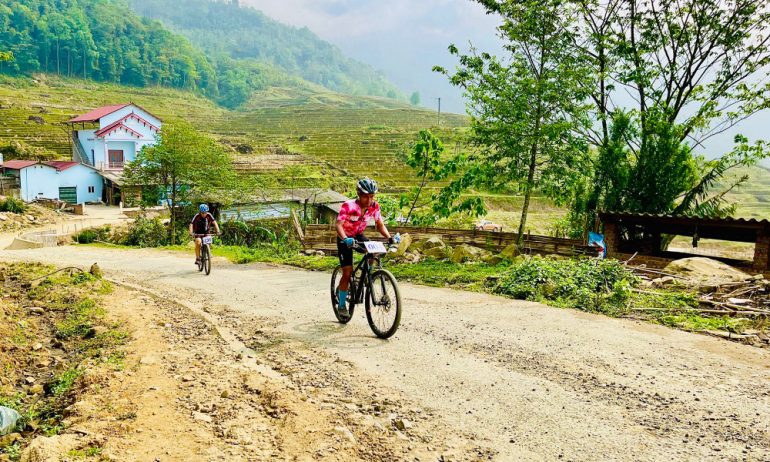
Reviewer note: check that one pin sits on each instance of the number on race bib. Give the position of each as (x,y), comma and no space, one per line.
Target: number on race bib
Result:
(375,247)
(208,240)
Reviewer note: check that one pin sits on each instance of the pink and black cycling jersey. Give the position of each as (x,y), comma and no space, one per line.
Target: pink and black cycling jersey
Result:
(354,219)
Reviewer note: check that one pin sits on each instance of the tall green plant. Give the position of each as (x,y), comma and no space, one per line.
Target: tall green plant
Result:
(426,159)
(525,109)
(694,70)
(187,165)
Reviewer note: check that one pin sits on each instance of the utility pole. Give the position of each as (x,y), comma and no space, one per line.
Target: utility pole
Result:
(438,116)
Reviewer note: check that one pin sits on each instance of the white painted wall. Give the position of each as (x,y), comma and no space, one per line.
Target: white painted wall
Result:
(89,143)
(97,148)
(42,181)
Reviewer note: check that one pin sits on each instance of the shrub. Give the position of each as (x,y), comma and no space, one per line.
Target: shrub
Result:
(88,236)
(13,205)
(145,232)
(255,233)
(585,284)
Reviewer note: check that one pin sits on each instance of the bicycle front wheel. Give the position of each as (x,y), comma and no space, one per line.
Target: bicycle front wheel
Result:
(383,304)
(206,256)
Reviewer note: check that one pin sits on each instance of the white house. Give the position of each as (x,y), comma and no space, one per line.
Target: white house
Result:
(70,182)
(109,137)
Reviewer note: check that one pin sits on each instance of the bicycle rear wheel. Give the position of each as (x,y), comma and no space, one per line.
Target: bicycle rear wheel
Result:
(336,276)
(206,256)
(383,304)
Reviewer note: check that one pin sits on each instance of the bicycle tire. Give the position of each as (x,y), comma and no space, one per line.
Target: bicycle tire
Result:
(384,276)
(206,256)
(336,275)
(200,261)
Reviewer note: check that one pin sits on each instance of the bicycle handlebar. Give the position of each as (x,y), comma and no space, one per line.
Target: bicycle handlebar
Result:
(361,245)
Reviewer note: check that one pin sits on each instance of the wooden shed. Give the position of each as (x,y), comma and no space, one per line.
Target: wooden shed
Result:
(626,234)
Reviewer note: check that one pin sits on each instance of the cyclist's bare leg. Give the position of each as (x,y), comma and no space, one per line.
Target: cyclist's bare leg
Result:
(197,248)
(347,271)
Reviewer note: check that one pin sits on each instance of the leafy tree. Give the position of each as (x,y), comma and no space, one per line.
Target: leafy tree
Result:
(189,166)
(426,159)
(415,98)
(693,68)
(525,109)
(6,56)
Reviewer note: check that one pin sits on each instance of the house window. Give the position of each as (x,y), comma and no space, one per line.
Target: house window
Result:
(91,189)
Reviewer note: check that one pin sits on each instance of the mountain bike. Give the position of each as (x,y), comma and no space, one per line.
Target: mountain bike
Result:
(375,287)
(205,261)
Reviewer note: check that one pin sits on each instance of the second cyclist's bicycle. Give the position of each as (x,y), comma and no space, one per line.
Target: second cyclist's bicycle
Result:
(204,264)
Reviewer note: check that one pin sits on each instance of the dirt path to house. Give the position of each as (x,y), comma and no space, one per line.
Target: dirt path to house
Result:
(251,365)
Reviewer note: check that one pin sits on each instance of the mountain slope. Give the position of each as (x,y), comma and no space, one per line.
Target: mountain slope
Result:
(224,28)
(352,134)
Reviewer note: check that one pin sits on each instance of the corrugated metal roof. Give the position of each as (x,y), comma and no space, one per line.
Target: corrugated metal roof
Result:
(694,219)
(61,165)
(98,113)
(18,164)
(116,178)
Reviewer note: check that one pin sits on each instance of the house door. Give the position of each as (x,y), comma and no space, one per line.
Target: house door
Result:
(69,194)
(115,158)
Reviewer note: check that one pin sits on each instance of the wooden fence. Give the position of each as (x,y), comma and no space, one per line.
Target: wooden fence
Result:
(323,237)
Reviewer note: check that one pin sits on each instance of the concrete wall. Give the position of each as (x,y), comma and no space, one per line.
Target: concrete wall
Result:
(42,181)
(90,145)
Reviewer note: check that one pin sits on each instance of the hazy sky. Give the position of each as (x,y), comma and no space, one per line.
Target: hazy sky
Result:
(402,38)
(406,38)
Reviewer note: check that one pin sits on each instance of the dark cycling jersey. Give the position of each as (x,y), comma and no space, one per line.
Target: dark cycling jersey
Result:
(202,224)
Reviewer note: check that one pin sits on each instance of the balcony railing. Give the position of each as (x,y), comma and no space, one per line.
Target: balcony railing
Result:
(110,165)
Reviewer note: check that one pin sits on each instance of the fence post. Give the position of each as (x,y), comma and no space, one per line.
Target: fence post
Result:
(297,227)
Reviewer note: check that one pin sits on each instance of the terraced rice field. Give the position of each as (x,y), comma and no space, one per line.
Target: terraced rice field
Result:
(347,135)
(354,135)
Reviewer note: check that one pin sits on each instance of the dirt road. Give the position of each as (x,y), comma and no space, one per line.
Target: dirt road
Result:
(477,376)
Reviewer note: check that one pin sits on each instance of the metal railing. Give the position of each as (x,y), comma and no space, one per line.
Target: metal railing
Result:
(79,155)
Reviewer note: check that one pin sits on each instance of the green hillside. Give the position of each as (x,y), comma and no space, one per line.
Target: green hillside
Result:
(232,52)
(356,135)
(352,135)
(227,29)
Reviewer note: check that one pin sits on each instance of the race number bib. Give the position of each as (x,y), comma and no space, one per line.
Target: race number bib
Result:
(375,247)
(208,240)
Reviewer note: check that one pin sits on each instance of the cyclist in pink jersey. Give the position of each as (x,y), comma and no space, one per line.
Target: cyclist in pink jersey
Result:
(351,224)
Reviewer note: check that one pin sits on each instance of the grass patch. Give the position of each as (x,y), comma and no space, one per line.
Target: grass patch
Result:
(72,329)
(64,382)
(80,320)
(693,322)
(91,451)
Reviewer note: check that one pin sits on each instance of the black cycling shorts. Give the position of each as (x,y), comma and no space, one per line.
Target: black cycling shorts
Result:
(346,253)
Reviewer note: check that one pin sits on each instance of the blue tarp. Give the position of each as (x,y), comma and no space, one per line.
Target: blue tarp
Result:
(597,240)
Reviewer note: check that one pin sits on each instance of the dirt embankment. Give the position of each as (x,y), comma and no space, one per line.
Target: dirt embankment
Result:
(172,386)
(468,376)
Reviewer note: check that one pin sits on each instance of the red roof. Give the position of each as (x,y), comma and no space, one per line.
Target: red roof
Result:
(98,113)
(18,164)
(61,165)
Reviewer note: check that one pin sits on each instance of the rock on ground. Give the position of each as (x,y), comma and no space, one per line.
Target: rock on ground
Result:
(701,270)
(465,252)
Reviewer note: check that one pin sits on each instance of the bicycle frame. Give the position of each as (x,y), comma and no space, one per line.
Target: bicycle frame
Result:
(364,267)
